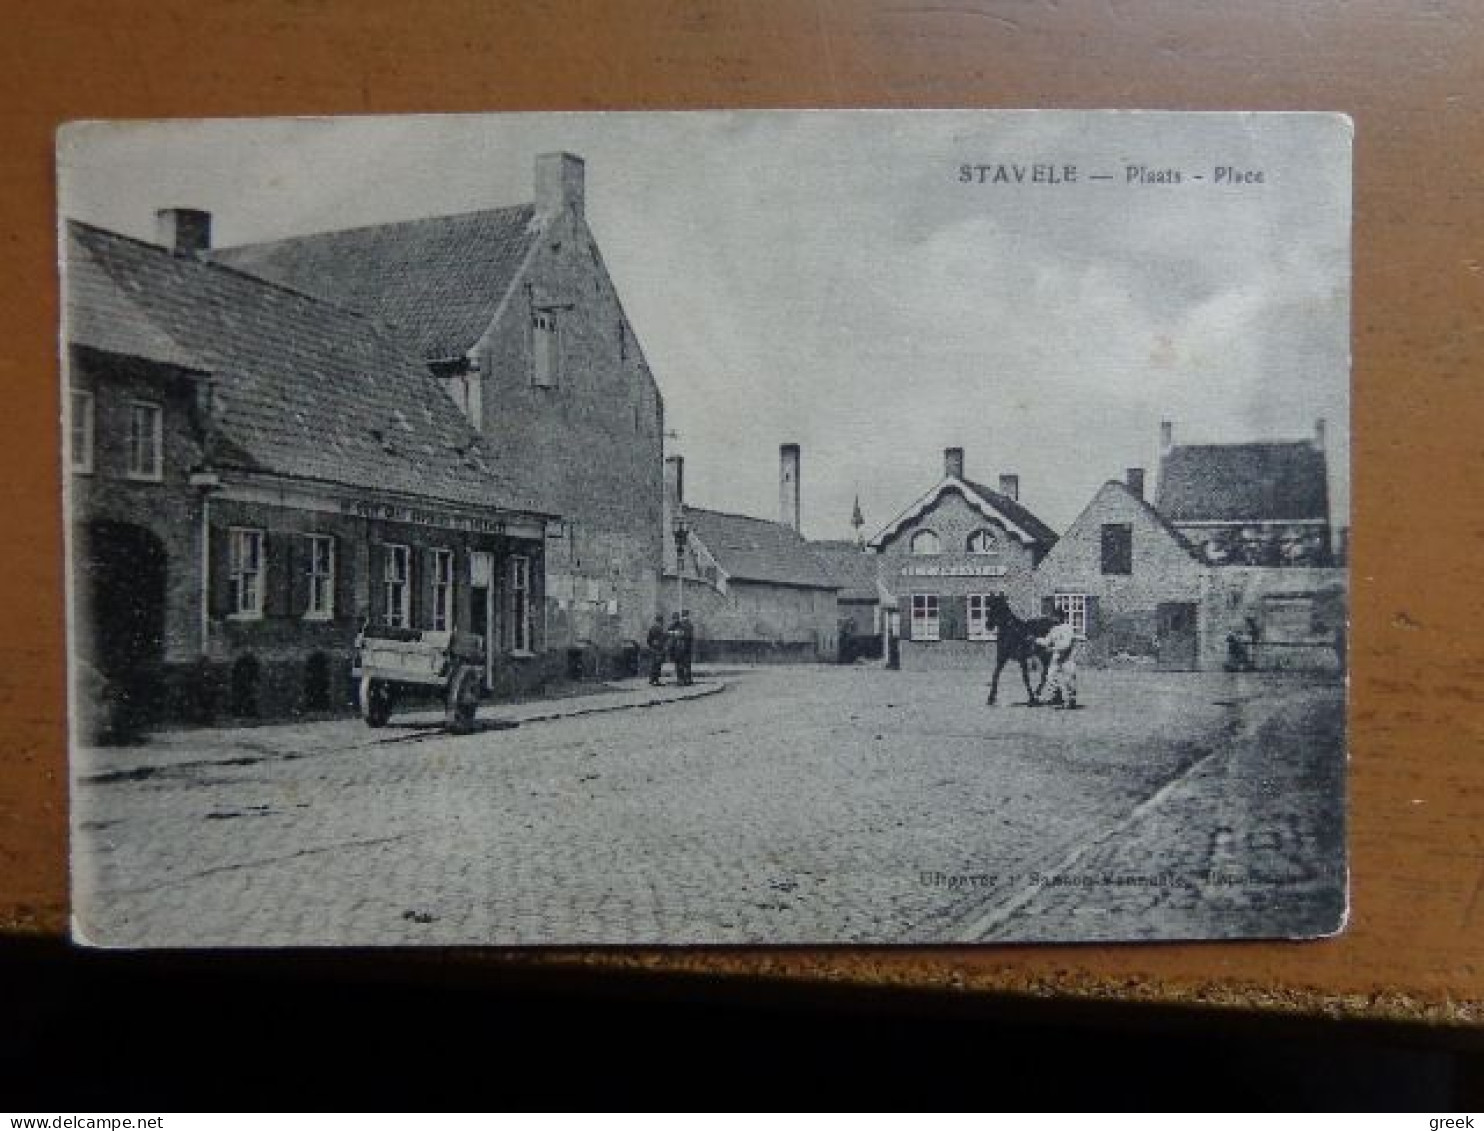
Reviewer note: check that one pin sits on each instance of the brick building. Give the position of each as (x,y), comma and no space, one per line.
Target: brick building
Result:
(514,311)
(254,473)
(1130,583)
(946,554)
(754,587)
(859,604)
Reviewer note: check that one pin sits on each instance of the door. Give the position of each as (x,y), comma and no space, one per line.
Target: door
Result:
(121,590)
(482,609)
(1177,635)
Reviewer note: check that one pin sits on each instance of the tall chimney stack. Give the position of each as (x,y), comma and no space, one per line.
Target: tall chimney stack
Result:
(560,183)
(789,512)
(1319,430)
(1166,436)
(953,463)
(675,481)
(185,231)
(1010,487)
(1136,481)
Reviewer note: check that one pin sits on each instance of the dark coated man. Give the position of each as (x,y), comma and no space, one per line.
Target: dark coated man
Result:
(658,644)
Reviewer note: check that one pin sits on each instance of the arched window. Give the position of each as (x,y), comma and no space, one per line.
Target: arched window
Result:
(983,542)
(926,542)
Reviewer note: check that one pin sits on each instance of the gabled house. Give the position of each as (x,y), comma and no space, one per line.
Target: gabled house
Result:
(1130,583)
(943,557)
(253,473)
(514,312)
(1254,504)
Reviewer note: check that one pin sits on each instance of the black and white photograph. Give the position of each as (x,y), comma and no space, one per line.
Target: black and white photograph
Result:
(726,527)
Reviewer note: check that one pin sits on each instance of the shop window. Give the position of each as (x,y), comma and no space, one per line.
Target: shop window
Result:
(80,448)
(245,569)
(146,441)
(1075,606)
(980,627)
(925,624)
(396,587)
(520,604)
(983,542)
(1118,548)
(442,573)
(321,571)
(545,349)
(926,542)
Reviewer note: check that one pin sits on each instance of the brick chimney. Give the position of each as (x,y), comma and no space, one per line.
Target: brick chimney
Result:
(953,463)
(560,181)
(1136,480)
(789,511)
(185,231)
(1010,486)
(1166,436)
(674,481)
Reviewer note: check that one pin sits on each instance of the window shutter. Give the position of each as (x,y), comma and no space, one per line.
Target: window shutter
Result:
(376,601)
(278,561)
(1092,616)
(425,589)
(219,583)
(953,618)
(904,612)
(1048,606)
(302,561)
(345,578)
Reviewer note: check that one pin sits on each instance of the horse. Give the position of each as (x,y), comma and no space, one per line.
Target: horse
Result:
(1017,641)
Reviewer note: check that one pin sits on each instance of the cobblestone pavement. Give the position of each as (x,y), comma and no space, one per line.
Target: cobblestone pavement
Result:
(803,804)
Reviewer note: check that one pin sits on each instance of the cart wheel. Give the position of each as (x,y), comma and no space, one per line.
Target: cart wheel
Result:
(463,700)
(376,701)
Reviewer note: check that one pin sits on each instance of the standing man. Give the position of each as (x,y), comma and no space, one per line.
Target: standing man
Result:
(1062,676)
(673,647)
(656,642)
(687,648)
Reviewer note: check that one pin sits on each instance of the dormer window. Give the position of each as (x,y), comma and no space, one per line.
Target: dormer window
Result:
(925,542)
(545,358)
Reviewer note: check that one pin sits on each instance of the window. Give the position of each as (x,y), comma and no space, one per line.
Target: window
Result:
(983,542)
(145,440)
(544,356)
(1075,606)
(1118,548)
(321,570)
(520,604)
(81,441)
(924,616)
(245,569)
(926,542)
(396,588)
(442,563)
(980,627)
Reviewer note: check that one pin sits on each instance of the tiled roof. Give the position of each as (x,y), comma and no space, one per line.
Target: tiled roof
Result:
(438,280)
(1016,513)
(754,549)
(1243,482)
(100,314)
(304,388)
(850,567)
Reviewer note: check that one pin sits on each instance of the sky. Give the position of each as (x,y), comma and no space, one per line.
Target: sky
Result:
(829,279)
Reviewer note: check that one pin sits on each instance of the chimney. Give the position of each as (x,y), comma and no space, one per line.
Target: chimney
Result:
(788,486)
(1166,436)
(559,183)
(1319,433)
(1010,487)
(953,463)
(185,231)
(1136,480)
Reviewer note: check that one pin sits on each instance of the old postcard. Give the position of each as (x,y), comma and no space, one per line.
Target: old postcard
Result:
(707,528)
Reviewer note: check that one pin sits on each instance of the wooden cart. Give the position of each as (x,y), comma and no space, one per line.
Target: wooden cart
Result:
(389,659)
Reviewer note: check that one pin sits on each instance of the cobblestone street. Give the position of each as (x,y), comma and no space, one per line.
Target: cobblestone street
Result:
(805,804)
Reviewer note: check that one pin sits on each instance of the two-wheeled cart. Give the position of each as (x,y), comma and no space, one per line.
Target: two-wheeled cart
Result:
(388,660)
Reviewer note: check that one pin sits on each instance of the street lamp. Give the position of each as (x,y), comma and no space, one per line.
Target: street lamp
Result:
(682,535)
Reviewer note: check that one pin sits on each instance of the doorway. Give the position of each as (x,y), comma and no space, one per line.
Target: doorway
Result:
(1177,635)
(482,620)
(120,586)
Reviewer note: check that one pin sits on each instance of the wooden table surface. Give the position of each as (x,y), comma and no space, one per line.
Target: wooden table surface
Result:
(1411,75)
